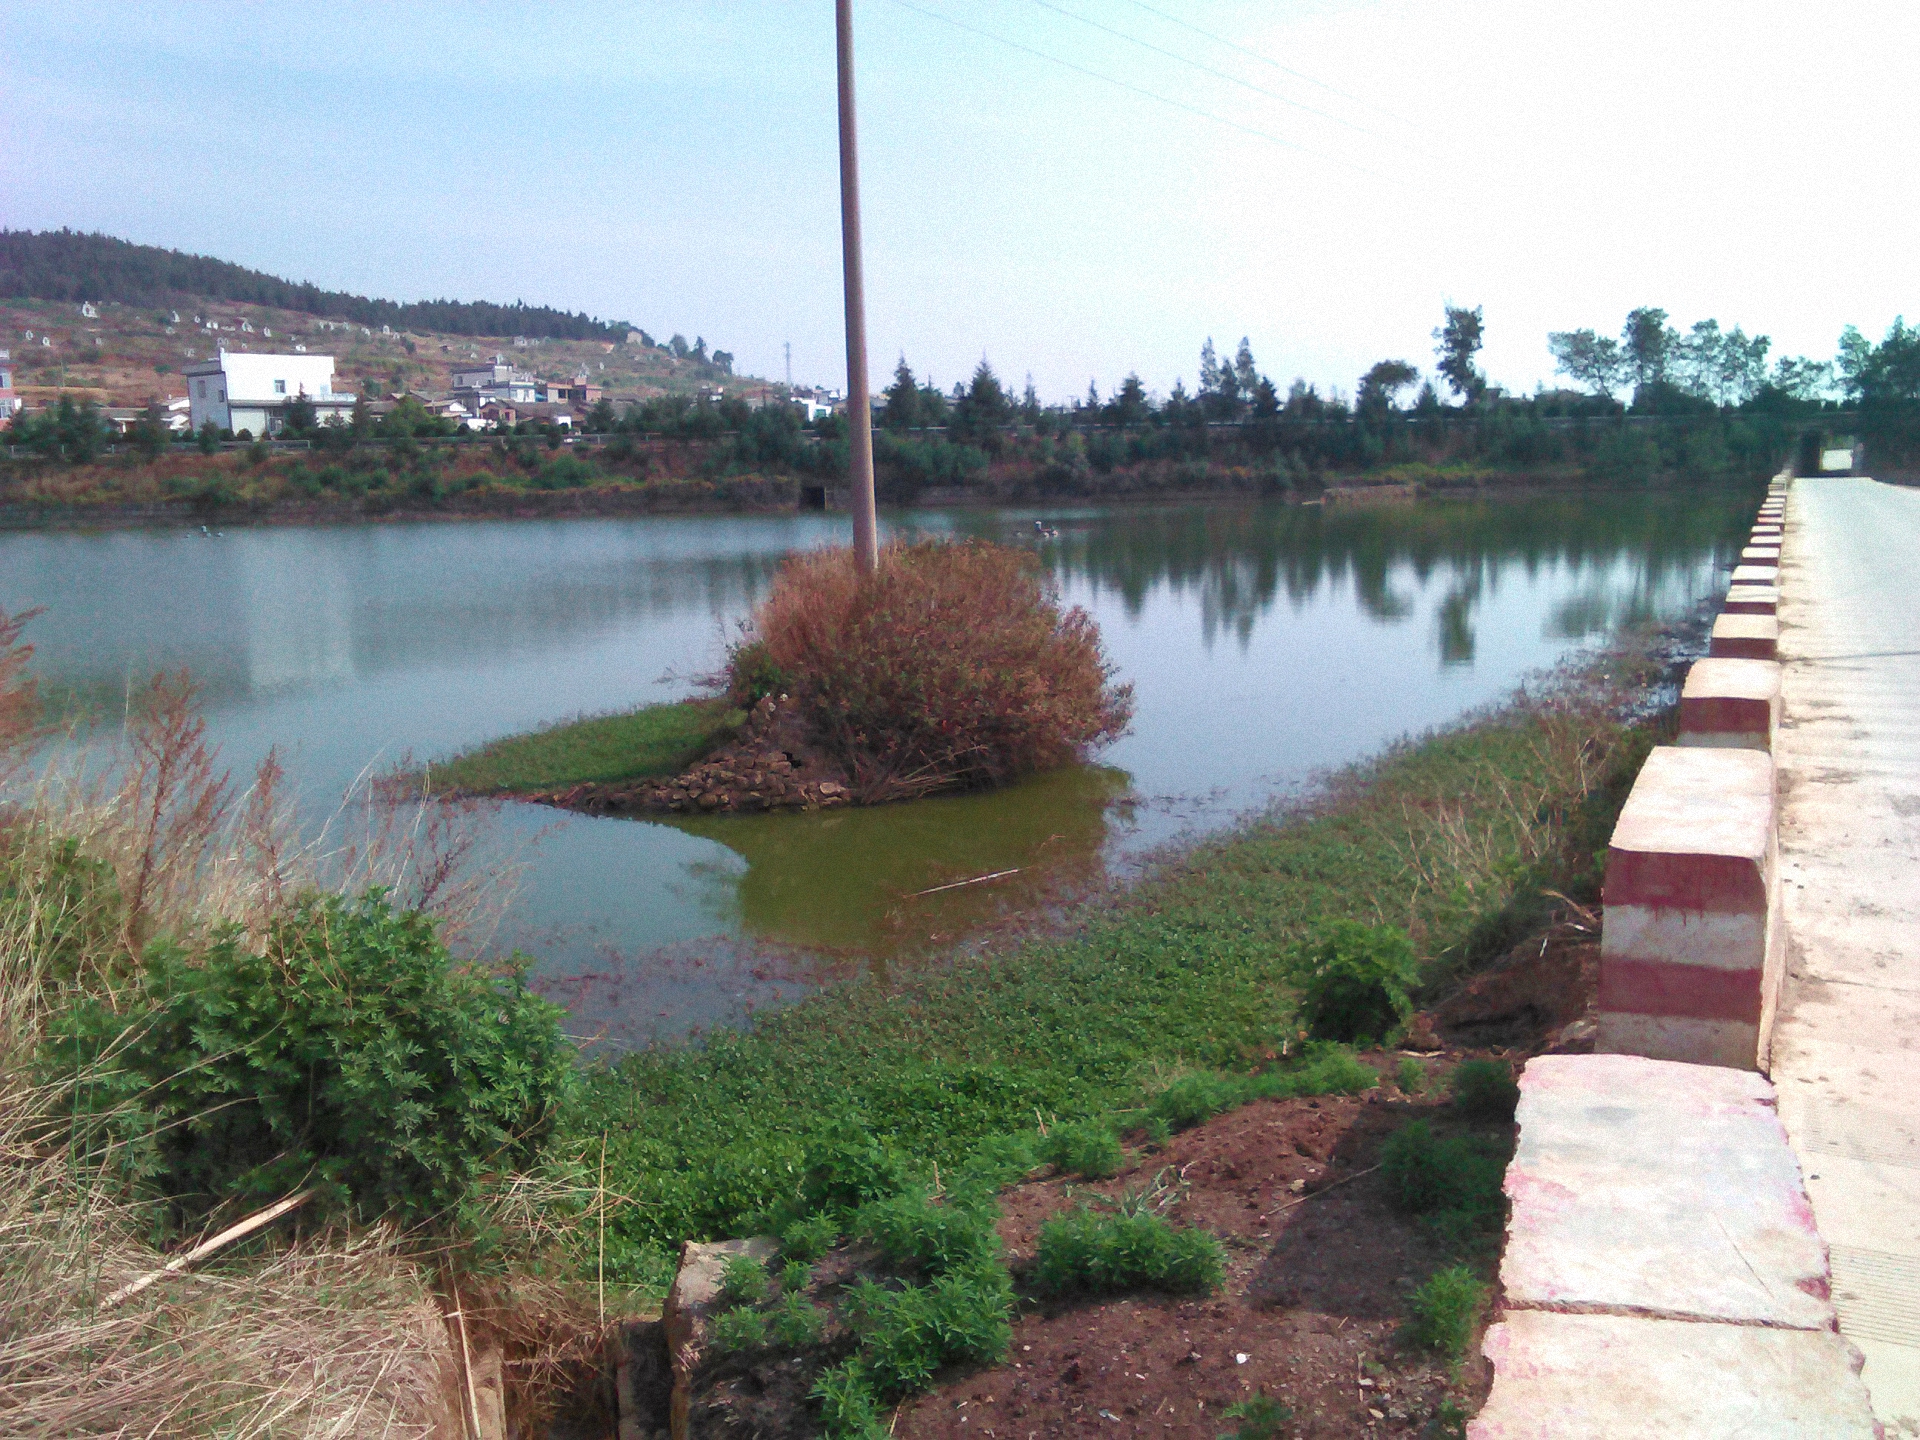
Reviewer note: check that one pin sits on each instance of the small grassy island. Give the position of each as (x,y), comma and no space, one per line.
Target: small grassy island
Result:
(955,667)
(644,744)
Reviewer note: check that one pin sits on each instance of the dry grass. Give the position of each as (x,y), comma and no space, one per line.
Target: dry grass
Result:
(324,1334)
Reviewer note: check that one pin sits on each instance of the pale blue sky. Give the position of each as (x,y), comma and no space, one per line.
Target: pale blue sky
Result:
(673,165)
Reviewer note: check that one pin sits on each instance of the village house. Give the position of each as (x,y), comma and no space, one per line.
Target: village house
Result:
(493,380)
(9,401)
(252,392)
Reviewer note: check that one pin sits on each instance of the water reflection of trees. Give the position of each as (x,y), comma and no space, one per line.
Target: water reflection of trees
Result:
(1628,549)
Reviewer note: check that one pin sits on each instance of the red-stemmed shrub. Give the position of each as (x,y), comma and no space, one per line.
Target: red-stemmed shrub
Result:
(953,667)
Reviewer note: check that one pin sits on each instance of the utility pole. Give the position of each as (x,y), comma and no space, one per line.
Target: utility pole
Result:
(866,532)
(789,367)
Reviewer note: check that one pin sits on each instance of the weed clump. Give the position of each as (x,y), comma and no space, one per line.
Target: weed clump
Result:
(1455,1182)
(1410,1075)
(954,666)
(1441,1313)
(1260,1416)
(1356,981)
(1325,1070)
(743,1280)
(795,1324)
(733,1332)
(849,1410)
(808,1238)
(1087,1148)
(913,1230)
(906,1335)
(1087,1252)
(1484,1089)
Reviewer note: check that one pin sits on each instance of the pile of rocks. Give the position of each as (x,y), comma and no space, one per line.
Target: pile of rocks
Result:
(766,767)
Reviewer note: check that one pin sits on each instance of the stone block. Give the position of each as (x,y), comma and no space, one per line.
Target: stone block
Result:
(1760,555)
(1744,637)
(1756,574)
(1659,1189)
(1752,600)
(1599,1377)
(1691,945)
(1731,702)
(691,1303)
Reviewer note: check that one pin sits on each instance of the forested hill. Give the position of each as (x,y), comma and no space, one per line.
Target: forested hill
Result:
(67,265)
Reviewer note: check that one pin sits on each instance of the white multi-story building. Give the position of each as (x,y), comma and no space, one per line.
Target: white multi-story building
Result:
(495,379)
(252,392)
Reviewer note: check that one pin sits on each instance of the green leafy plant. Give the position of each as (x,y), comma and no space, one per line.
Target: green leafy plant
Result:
(906,1335)
(735,1331)
(919,1232)
(1089,1252)
(1426,1174)
(1085,1148)
(1323,1070)
(1442,1312)
(795,1275)
(1260,1417)
(1356,981)
(849,1410)
(1410,1075)
(743,1280)
(809,1237)
(844,1172)
(1484,1089)
(794,1324)
(350,1055)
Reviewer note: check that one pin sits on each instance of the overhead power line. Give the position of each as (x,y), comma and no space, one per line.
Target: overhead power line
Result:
(1128,85)
(1208,69)
(1268,60)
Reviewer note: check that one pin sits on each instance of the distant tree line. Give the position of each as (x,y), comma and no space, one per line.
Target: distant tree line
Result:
(68,265)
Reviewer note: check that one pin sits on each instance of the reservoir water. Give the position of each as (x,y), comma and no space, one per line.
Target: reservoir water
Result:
(1266,644)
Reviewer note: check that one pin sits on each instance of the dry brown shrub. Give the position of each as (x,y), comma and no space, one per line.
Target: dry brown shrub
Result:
(954,666)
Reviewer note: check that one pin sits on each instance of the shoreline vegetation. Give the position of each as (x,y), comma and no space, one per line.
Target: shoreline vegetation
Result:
(893,1109)
(649,742)
(1467,840)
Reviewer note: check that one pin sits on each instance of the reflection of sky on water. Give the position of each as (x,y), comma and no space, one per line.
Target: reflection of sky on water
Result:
(1265,643)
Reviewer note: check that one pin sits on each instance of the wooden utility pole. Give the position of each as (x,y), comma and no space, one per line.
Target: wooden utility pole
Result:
(866,533)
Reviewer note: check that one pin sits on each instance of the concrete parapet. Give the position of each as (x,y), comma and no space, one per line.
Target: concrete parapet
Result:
(1662,1274)
(1731,702)
(1690,952)
(1756,574)
(1600,1377)
(1744,637)
(1752,600)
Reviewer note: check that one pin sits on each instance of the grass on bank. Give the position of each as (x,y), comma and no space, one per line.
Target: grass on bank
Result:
(651,742)
(1453,839)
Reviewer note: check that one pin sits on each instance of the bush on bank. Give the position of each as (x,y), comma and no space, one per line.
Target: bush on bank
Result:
(954,666)
(349,1054)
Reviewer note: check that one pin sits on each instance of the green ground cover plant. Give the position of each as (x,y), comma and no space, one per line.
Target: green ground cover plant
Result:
(739,1329)
(744,1280)
(1261,1417)
(655,740)
(1452,1182)
(1452,839)
(1484,1089)
(1092,1252)
(1356,981)
(906,1335)
(1442,1312)
(1087,1148)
